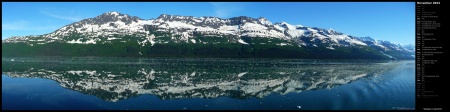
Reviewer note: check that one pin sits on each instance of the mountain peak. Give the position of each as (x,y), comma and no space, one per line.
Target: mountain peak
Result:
(264,21)
(367,38)
(112,13)
(288,26)
(163,16)
(168,16)
(246,18)
(111,16)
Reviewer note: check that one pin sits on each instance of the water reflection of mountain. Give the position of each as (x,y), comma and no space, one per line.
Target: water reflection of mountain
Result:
(194,79)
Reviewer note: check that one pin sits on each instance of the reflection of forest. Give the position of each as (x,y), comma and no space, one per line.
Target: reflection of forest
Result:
(199,79)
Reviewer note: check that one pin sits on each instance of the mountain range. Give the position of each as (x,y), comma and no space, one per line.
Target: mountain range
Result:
(114,34)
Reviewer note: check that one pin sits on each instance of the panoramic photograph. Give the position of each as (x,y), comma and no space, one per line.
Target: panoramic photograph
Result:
(208,56)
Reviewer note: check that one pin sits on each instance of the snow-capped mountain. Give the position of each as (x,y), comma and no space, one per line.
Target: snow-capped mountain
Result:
(114,27)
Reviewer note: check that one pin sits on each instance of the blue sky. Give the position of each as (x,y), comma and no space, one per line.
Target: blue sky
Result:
(392,21)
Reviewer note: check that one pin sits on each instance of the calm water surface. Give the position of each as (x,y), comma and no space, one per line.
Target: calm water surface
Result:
(210,84)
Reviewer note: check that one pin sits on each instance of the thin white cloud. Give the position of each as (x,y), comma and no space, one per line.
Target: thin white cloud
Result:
(24,25)
(226,9)
(64,17)
(17,25)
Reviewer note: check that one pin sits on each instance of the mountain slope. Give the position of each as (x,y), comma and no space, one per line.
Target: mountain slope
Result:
(116,34)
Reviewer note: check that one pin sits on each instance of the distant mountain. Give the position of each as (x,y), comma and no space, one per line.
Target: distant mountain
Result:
(115,34)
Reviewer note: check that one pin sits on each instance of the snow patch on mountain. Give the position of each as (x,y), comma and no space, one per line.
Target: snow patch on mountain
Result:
(242,41)
(330,47)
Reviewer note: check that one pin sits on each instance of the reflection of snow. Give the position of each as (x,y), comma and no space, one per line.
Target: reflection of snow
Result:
(193,84)
(185,79)
(149,75)
(358,76)
(242,74)
(80,72)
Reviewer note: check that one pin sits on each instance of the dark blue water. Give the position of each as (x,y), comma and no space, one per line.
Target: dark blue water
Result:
(206,84)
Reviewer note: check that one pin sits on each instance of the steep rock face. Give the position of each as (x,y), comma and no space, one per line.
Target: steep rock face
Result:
(109,17)
(114,28)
